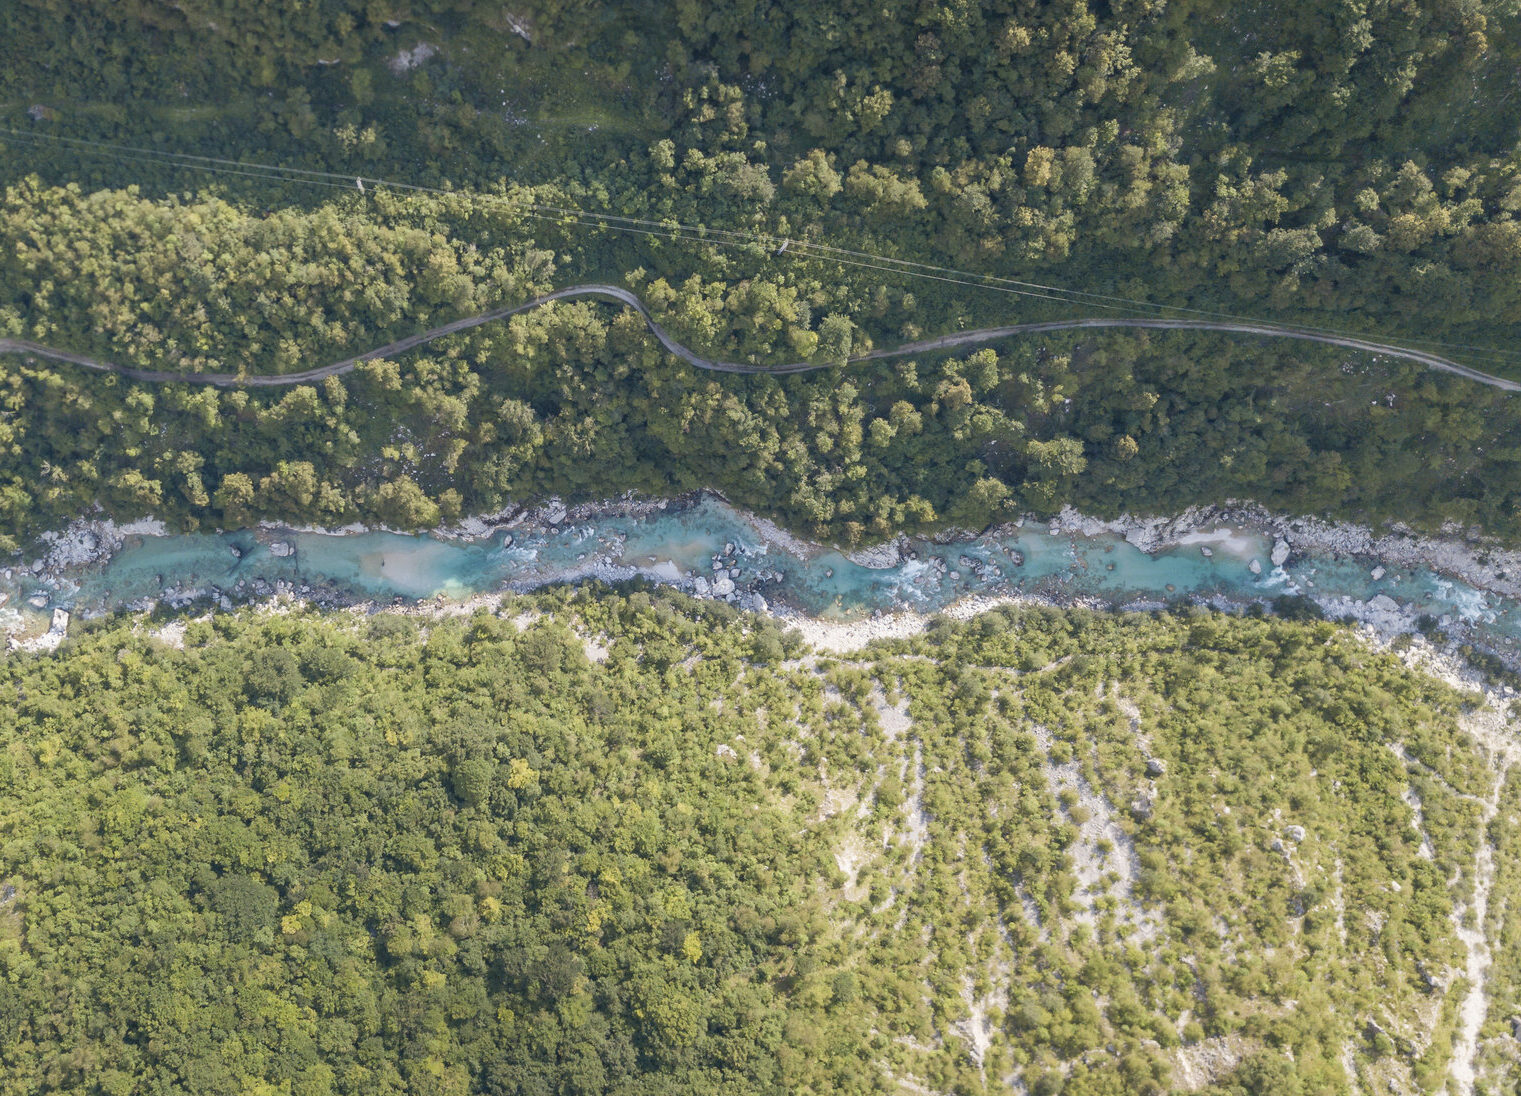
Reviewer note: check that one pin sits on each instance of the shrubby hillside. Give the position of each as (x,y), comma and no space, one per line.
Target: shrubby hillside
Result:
(599,843)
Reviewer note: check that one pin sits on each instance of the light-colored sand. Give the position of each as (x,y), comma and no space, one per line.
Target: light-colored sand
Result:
(844,637)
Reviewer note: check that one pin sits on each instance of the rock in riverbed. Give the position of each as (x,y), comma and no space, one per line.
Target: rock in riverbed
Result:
(878,557)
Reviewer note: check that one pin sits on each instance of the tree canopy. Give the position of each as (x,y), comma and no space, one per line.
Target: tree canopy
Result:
(1353,169)
(280,852)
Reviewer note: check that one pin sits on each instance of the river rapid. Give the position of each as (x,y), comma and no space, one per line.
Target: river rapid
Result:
(708,548)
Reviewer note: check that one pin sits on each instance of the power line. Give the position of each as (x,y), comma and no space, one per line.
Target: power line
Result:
(552,214)
(883,264)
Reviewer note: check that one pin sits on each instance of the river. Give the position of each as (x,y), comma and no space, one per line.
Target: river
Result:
(709,548)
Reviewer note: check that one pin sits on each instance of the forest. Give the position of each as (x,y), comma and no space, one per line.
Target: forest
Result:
(578,400)
(617,841)
(937,167)
(593,841)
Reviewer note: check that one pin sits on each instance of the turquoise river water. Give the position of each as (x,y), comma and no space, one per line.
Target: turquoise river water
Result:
(720,551)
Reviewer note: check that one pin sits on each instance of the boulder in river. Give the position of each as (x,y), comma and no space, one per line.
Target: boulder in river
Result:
(878,557)
(282,548)
(1281,552)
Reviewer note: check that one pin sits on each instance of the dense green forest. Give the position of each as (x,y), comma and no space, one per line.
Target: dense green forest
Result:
(622,842)
(1352,167)
(587,842)
(577,399)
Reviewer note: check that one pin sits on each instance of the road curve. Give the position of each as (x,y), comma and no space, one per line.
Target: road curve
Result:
(625,297)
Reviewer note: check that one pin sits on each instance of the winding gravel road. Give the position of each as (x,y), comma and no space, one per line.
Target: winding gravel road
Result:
(625,297)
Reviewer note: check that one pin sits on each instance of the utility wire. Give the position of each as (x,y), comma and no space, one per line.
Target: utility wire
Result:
(883,264)
(553,214)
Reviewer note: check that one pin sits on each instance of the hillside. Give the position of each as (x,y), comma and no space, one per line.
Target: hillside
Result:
(630,843)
